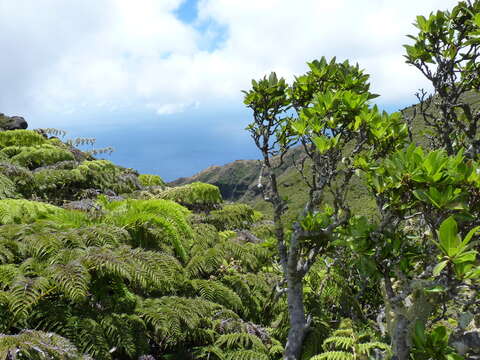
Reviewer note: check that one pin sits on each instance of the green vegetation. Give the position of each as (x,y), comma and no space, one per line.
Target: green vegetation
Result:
(417,246)
(123,276)
(366,246)
(150,180)
(231,217)
(194,195)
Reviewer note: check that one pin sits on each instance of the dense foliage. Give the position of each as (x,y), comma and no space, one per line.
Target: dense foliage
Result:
(123,270)
(417,250)
(99,262)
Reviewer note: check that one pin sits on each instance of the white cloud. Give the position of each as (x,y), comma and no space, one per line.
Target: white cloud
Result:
(114,54)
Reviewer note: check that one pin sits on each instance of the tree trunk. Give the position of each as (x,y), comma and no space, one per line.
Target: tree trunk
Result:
(298,322)
(400,337)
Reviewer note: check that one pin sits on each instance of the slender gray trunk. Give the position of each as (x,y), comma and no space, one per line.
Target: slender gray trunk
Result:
(401,333)
(298,321)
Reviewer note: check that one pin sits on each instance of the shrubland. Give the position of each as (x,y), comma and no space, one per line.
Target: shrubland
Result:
(375,256)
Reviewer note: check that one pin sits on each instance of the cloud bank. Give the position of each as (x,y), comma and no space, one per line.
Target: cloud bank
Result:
(75,56)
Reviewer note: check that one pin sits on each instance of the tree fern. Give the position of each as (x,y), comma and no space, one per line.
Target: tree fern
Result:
(24,211)
(176,319)
(130,277)
(196,195)
(7,188)
(152,221)
(239,345)
(104,175)
(20,138)
(348,344)
(216,292)
(24,294)
(37,345)
(232,217)
(36,156)
(150,180)
(72,279)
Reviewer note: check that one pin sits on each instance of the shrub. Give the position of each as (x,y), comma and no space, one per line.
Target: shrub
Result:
(232,217)
(150,180)
(104,175)
(7,188)
(152,223)
(196,195)
(36,156)
(20,138)
(24,211)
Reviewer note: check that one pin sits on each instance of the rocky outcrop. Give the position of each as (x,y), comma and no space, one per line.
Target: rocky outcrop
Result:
(12,122)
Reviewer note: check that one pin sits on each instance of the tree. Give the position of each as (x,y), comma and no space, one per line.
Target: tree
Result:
(421,244)
(328,112)
(428,201)
(446,51)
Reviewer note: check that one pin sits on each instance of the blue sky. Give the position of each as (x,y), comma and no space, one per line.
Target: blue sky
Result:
(161,80)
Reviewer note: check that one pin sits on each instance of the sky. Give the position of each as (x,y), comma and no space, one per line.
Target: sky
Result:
(160,80)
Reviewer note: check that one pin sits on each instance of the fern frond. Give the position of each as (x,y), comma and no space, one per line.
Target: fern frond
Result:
(72,279)
(343,342)
(25,293)
(7,188)
(367,347)
(37,345)
(246,355)
(334,355)
(243,340)
(206,263)
(41,246)
(346,343)
(24,211)
(91,338)
(20,138)
(217,292)
(175,319)
(6,253)
(125,334)
(150,180)
(8,273)
(151,269)
(152,221)
(108,262)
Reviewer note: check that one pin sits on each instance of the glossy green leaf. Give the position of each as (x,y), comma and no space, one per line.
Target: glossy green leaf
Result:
(449,240)
(439,267)
(469,256)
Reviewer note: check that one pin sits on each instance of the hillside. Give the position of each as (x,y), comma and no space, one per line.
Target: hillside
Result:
(233,179)
(237,180)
